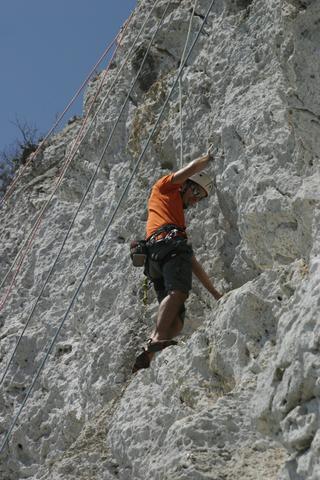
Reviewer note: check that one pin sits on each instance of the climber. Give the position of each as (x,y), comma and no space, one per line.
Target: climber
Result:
(170,259)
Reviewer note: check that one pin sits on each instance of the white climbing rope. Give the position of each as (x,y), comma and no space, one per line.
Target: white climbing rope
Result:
(180,82)
(124,192)
(191,121)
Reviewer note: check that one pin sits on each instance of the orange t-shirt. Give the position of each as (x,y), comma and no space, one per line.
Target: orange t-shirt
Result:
(165,205)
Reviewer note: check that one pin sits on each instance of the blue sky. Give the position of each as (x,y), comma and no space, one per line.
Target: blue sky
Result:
(47,48)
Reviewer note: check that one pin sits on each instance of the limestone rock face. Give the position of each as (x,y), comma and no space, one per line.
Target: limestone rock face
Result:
(238,397)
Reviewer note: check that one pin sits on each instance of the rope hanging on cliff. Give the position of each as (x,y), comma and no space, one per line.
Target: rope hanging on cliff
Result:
(180,82)
(85,194)
(125,190)
(88,187)
(34,155)
(191,121)
(29,241)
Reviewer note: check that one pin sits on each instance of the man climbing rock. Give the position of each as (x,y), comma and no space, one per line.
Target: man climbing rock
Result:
(170,259)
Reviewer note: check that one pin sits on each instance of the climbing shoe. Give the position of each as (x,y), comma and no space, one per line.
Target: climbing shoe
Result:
(143,359)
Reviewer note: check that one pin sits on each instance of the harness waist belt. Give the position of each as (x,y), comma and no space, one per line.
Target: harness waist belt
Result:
(167,232)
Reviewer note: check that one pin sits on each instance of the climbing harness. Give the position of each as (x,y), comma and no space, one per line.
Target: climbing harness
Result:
(86,192)
(90,263)
(28,242)
(139,248)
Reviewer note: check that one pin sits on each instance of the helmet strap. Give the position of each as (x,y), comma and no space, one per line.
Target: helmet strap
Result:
(183,190)
(185,186)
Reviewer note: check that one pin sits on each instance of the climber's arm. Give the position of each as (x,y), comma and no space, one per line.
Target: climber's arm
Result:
(200,273)
(193,167)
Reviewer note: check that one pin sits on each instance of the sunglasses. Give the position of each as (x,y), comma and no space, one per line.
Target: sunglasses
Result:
(197,192)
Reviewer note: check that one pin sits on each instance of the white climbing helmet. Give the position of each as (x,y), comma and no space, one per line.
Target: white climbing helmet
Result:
(203,180)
